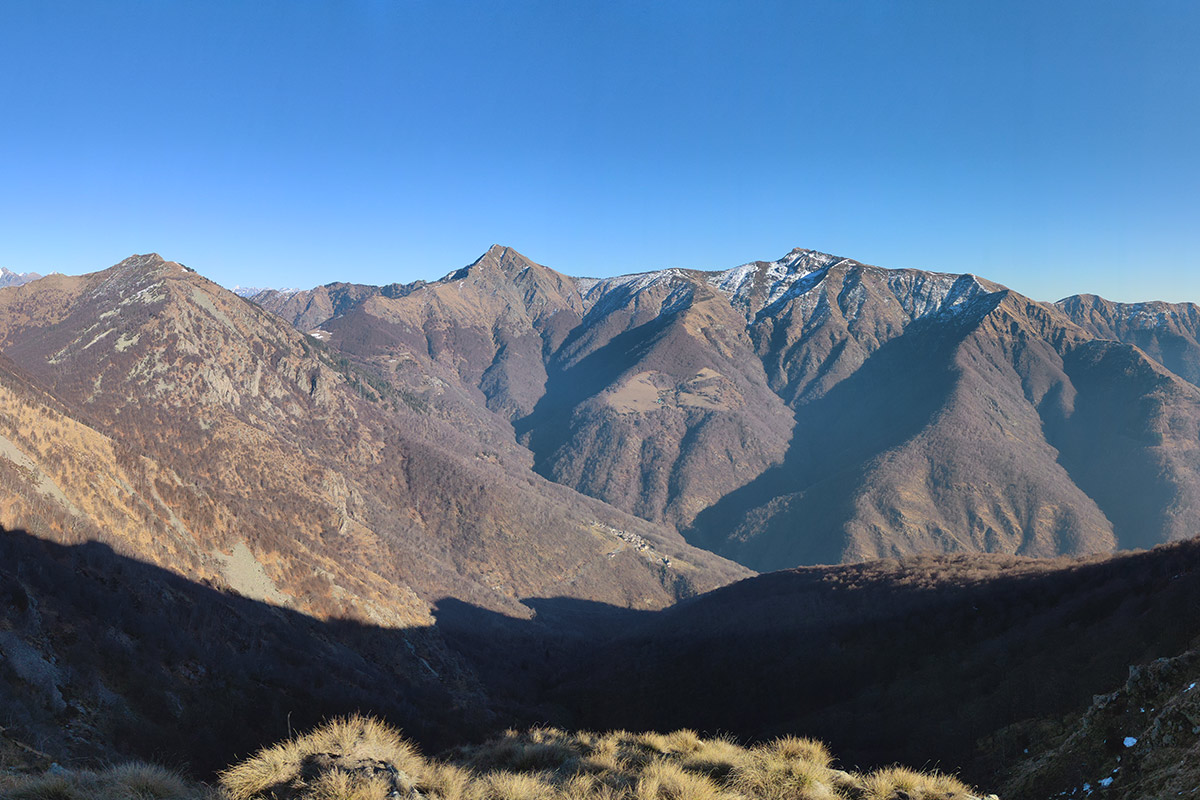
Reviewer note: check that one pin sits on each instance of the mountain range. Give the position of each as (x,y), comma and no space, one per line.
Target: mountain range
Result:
(807,410)
(10,278)
(513,496)
(199,431)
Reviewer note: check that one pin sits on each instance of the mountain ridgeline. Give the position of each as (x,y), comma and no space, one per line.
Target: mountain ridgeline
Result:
(151,409)
(807,410)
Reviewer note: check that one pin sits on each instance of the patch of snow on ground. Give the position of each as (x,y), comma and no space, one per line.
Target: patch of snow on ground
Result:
(1130,741)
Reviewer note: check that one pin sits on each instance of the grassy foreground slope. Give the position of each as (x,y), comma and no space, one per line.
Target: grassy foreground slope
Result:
(362,759)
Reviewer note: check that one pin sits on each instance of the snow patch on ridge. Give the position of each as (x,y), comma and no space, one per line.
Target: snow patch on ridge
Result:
(925,293)
(603,296)
(777,277)
(250,291)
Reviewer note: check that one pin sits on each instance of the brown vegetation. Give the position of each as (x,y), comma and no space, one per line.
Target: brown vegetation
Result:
(129,781)
(361,759)
(357,758)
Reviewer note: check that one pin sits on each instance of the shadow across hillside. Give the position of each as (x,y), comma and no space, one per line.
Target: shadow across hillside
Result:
(106,656)
(549,425)
(962,662)
(796,512)
(943,661)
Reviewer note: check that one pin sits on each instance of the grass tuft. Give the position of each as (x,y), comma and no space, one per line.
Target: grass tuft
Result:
(666,780)
(132,781)
(366,752)
(902,783)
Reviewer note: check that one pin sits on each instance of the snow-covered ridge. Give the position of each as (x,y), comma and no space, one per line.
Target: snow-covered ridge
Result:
(777,277)
(600,295)
(925,293)
(763,288)
(250,291)
(1155,314)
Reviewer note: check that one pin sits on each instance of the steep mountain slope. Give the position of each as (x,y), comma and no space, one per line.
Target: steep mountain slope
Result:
(1167,332)
(965,419)
(242,451)
(642,393)
(807,410)
(655,402)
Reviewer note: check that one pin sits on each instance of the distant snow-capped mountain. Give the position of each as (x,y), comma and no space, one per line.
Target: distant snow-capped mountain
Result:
(10,278)
(250,291)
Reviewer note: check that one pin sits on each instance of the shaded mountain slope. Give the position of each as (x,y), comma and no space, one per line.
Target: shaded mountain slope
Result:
(244,451)
(959,661)
(1167,332)
(655,402)
(972,662)
(511,349)
(105,657)
(998,427)
(1138,741)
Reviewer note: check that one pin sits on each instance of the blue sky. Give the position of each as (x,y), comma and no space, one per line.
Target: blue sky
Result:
(1048,146)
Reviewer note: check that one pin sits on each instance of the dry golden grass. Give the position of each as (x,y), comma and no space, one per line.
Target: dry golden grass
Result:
(786,769)
(666,780)
(513,786)
(716,758)
(361,755)
(133,781)
(363,759)
(892,783)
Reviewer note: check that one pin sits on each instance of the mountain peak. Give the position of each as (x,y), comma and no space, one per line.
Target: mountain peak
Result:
(770,279)
(142,260)
(10,278)
(146,263)
(806,260)
(498,258)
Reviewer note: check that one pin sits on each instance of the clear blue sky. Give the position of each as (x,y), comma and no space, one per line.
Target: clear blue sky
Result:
(1050,146)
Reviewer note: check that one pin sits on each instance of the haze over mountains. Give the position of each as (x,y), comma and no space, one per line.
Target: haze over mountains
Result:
(807,410)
